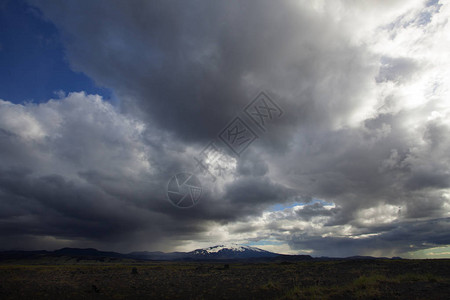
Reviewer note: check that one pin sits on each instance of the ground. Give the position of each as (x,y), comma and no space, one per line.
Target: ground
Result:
(346,279)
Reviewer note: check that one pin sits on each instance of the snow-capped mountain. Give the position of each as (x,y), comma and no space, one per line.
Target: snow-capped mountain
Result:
(230,251)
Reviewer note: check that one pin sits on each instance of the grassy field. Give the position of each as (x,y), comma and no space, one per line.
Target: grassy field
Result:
(355,279)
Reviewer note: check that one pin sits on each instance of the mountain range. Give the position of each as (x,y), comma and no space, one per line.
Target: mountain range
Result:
(214,253)
(231,251)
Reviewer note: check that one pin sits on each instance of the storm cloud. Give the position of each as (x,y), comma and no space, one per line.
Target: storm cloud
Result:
(358,160)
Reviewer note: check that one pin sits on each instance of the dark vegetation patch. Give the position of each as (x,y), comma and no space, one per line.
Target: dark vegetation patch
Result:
(350,279)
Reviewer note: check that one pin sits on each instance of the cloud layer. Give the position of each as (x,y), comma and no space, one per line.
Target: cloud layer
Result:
(363,86)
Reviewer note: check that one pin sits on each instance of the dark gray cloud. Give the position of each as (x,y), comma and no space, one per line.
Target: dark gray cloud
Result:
(192,66)
(401,238)
(364,127)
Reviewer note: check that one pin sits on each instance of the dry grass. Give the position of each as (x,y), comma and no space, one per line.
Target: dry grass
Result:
(380,279)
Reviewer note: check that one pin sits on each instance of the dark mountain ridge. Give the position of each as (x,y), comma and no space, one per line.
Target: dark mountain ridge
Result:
(214,253)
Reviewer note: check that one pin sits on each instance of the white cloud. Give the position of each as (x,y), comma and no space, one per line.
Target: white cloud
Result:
(74,134)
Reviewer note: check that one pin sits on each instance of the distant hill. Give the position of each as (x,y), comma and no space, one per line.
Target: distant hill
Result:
(157,255)
(86,252)
(64,255)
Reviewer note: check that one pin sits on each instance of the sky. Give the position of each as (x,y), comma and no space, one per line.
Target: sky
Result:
(300,127)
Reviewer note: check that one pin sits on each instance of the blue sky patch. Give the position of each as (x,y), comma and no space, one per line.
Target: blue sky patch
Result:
(33,65)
